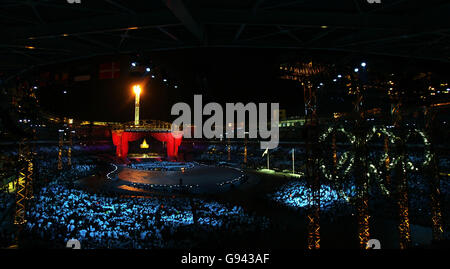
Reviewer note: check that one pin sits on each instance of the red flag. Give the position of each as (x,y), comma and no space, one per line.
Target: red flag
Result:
(64,76)
(109,70)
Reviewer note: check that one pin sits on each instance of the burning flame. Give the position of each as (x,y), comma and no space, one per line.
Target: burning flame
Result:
(144,145)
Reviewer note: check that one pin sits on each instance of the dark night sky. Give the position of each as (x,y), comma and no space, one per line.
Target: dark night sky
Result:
(229,75)
(220,75)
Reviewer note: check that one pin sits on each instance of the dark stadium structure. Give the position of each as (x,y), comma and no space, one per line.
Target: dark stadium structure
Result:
(362,159)
(42,32)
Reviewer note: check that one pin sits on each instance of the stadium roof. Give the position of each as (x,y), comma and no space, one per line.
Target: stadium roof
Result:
(39,32)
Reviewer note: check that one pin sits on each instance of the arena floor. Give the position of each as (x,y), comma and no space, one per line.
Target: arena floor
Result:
(205,177)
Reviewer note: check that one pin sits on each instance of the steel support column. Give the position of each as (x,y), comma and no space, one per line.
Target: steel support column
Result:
(402,180)
(361,170)
(69,150)
(312,165)
(60,149)
(433,174)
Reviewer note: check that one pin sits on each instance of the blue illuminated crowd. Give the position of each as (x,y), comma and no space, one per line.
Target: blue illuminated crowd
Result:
(60,211)
(336,202)
(6,200)
(296,194)
(59,214)
(45,171)
(160,166)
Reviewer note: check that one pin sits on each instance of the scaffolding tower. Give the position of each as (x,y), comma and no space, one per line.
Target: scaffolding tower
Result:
(404,228)
(312,164)
(433,174)
(24,185)
(362,181)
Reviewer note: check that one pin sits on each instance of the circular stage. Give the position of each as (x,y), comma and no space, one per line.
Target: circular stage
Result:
(192,176)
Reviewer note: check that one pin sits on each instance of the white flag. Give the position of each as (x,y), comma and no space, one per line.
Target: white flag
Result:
(265,152)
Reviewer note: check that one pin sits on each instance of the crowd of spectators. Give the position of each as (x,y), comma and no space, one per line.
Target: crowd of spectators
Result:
(336,202)
(60,213)
(6,200)
(160,166)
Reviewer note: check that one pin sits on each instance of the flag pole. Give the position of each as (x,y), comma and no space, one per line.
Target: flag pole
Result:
(268,161)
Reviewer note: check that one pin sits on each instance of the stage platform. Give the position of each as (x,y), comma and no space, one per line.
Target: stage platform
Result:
(196,178)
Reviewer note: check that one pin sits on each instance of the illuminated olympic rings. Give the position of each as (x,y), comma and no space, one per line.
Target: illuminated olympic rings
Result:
(348,156)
